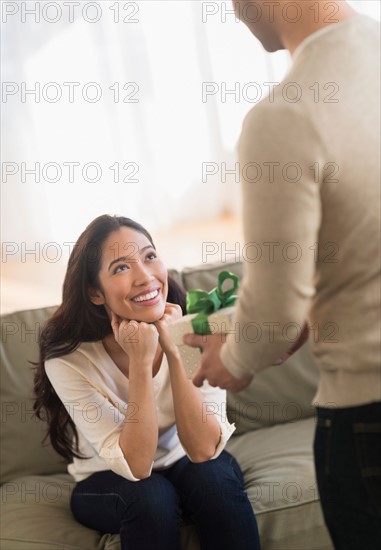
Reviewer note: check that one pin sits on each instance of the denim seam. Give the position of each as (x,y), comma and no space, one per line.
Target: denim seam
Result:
(101,495)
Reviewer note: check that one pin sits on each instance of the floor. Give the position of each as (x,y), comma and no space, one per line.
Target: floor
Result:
(37,284)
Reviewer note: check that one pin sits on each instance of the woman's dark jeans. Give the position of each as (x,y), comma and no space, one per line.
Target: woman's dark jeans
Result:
(348,468)
(148,513)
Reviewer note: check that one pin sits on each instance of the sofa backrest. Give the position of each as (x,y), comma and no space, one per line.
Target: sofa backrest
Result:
(21,449)
(278,394)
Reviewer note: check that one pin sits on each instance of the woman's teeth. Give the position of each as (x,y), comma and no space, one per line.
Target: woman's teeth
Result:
(146,297)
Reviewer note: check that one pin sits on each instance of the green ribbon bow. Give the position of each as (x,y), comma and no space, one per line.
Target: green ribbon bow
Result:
(206,303)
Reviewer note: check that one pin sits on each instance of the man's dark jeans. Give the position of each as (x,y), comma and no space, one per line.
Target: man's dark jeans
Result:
(348,468)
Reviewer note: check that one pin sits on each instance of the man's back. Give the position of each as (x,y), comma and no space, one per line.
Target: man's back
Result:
(317,142)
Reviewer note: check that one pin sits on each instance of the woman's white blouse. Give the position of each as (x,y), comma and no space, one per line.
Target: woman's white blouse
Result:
(95,394)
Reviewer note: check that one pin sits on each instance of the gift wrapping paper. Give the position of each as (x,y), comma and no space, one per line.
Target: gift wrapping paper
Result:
(219,322)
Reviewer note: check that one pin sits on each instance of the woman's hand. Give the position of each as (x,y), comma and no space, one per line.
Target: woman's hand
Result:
(137,339)
(172,313)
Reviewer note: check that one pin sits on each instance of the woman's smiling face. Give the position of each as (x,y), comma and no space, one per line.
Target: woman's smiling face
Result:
(133,280)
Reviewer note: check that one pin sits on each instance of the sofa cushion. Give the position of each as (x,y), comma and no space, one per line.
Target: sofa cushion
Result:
(36,515)
(277,394)
(278,469)
(21,435)
(44,501)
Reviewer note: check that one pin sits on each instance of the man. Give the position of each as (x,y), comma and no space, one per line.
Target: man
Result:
(310,161)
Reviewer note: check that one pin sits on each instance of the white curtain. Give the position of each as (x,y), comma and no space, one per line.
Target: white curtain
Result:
(133,103)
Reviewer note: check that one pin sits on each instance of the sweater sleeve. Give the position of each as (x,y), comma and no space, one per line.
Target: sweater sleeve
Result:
(93,414)
(279,158)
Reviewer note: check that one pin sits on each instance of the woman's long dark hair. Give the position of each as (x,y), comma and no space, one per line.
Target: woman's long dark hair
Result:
(78,320)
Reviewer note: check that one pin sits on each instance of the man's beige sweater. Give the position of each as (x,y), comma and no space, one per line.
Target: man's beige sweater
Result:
(310,162)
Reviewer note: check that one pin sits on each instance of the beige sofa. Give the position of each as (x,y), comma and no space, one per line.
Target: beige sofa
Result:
(273,444)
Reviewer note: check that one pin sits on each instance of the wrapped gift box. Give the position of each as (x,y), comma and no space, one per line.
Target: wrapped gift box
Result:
(219,322)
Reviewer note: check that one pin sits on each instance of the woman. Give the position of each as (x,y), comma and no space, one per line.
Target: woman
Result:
(110,372)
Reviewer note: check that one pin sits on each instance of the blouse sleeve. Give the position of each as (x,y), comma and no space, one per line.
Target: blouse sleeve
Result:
(93,414)
(215,404)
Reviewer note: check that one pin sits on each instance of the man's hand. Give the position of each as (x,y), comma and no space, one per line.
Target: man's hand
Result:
(211,367)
